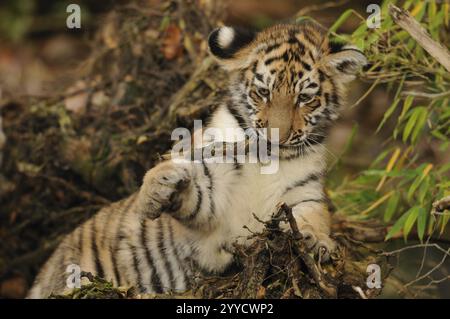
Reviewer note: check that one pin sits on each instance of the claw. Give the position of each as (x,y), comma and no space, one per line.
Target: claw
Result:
(319,243)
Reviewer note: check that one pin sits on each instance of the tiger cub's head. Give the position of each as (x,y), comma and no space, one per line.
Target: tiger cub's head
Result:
(289,77)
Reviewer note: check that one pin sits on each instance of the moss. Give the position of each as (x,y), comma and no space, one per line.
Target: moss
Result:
(98,288)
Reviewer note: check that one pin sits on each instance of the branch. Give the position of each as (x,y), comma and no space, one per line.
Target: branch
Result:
(418,33)
(441,205)
(313,269)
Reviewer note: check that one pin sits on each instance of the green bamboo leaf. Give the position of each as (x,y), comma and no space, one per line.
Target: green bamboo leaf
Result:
(380,157)
(406,106)
(410,220)
(388,114)
(421,121)
(421,222)
(432,9)
(341,20)
(410,124)
(444,221)
(421,13)
(391,206)
(439,135)
(444,146)
(397,226)
(417,181)
(424,190)
(360,31)
(443,169)
(407,4)
(164,22)
(435,23)
(400,36)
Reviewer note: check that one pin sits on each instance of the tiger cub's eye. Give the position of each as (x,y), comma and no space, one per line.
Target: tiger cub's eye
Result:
(263,92)
(305,98)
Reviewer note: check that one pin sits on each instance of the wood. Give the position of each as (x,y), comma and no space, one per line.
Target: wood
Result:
(418,33)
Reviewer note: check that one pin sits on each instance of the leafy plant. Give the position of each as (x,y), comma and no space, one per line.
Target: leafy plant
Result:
(401,184)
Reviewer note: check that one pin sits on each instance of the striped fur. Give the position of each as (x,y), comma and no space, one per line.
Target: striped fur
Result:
(186,217)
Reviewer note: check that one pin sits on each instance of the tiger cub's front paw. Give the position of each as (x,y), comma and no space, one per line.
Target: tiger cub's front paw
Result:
(163,189)
(318,242)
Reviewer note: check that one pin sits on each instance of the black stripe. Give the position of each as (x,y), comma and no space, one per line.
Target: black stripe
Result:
(272,47)
(312,85)
(207,173)
(315,140)
(311,57)
(239,118)
(306,66)
(322,76)
(80,241)
(336,46)
(241,38)
(59,269)
(334,96)
(155,281)
(118,235)
(195,212)
(260,77)
(175,251)
(273,59)
(237,166)
(162,251)
(310,178)
(308,37)
(318,200)
(132,249)
(98,265)
(344,65)
(327,99)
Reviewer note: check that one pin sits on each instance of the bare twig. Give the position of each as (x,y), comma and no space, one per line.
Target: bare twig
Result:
(418,33)
(428,273)
(426,95)
(360,292)
(313,269)
(441,205)
(319,7)
(397,251)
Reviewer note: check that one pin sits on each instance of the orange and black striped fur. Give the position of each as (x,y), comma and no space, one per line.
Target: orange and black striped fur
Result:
(186,216)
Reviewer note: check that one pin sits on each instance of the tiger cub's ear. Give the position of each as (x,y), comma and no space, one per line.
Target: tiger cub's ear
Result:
(231,46)
(345,61)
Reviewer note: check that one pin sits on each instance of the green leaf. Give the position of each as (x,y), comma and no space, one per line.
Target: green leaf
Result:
(406,105)
(360,31)
(432,9)
(410,220)
(388,114)
(380,157)
(421,120)
(407,4)
(424,190)
(421,222)
(444,168)
(444,220)
(397,226)
(164,22)
(413,119)
(421,13)
(391,206)
(340,20)
(439,135)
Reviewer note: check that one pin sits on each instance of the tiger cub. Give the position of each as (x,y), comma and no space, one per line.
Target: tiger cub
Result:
(186,215)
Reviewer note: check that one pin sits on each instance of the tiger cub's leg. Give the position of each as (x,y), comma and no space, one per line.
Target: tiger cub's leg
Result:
(182,190)
(186,191)
(313,220)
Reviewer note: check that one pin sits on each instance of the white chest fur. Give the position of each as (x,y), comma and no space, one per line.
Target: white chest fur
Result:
(250,192)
